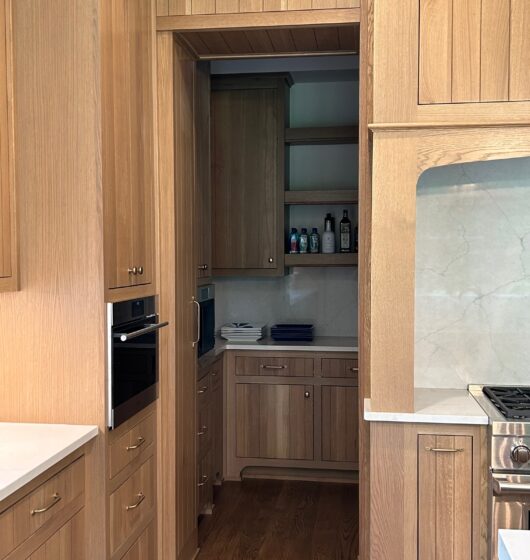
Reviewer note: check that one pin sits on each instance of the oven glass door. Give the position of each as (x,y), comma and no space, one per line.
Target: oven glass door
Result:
(207,332)
(134,371)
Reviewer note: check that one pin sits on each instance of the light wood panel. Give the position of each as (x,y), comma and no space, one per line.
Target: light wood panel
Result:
(177,511)
(66,544)
(145,547)
(520,51)
(262,20)
(189,7)
(59,192)
(340,424)
(445,500)
(8,233)
(128,143)
(343,196)
(248,176)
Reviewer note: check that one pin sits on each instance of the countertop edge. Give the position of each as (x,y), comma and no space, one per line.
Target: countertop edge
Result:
(513,544)
(48,463)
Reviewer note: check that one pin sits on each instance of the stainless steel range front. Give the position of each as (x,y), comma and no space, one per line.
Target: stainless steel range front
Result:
(509,412)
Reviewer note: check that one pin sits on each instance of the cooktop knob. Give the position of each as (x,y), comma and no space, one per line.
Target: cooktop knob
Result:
(521,454)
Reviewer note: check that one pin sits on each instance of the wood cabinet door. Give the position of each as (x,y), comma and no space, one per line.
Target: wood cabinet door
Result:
(274,421)
(203,171)
(145,547)
(247,179)
(68,543)
(445,503)
(217,420)
(128,141)
(340,424)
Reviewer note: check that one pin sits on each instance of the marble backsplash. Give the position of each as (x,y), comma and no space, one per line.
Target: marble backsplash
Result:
(326,297)
(473,275)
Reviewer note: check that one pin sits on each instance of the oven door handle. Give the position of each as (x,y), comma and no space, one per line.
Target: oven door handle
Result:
(503,487)
(124,337)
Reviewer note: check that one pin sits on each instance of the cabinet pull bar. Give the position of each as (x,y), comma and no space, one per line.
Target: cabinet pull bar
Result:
(444,450)
(202,390)
(205,478)
(203,431)
(141,498)
(263,366)
(354,369)
(140,440)
(124,337)
(55,500)
(196,341)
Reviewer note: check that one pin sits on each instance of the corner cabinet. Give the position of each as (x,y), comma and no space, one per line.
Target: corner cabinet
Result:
(8,245)
(248,117)
(128,140)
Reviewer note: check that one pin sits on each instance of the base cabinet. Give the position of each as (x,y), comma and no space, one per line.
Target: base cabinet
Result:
(145,547)
(66,544)
(291,410)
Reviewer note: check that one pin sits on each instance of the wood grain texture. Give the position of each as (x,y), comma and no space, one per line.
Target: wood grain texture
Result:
(520,51)
(266,19)
(178,362)
(290,520)
(66,543)
(191,7)
(248,177)
(340,424)
(436,51)
(8,222)
(466,51)
(145,546)
(274,365)
(495,51)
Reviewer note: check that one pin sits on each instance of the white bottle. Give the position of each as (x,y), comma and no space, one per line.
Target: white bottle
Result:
(328,238)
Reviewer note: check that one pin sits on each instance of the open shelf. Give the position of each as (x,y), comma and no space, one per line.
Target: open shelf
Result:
(322,135)
(321,259)
(343,196)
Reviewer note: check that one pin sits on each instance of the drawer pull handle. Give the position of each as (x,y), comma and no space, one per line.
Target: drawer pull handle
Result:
(354,369)
(214,374)
(140,440)
(205,479)
(263,366)
(202,390)
(444,450)
(203,431)
(141,498)
(55,500)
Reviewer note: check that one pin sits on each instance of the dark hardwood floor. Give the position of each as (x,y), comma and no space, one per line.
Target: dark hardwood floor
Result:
(281,520)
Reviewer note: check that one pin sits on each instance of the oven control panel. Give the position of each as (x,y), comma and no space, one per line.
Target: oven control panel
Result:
(510,453)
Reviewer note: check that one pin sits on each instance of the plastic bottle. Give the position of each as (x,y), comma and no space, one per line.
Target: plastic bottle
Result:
(293,241)
(328,237)
(314,241)
(304,241)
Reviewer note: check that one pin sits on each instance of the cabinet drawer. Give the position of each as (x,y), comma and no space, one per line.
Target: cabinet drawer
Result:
(145,546)
(131,503)
(204,483)
(129,446)
(203,391)
(275,365)
(44,503)
(216,376)
(204,428)
(340,367)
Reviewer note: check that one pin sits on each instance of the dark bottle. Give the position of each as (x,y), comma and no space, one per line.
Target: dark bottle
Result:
(345,233)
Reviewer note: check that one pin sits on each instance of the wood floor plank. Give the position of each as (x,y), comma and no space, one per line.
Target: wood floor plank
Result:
(282,520)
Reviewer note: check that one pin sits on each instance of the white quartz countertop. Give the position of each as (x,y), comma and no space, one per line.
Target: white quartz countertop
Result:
(28,450)
(318,344)
(514,545)
(436,406)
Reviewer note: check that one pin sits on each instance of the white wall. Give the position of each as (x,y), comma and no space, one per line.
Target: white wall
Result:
(473,275)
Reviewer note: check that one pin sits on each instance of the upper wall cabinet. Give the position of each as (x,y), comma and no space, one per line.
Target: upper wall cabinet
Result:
(128,28)
(248,130)
(451,60)
(197,7)
(8,253)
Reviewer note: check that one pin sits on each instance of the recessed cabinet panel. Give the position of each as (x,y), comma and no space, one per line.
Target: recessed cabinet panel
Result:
(445,503)
(128,142)
(340,424)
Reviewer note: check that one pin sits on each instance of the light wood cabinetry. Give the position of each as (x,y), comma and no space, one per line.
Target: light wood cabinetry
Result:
(8,245)
(127,81)
(209,433)
(247,125)
(291,409)
(131,485)
(439,505)
(145,547)
(203,204)
(45,520)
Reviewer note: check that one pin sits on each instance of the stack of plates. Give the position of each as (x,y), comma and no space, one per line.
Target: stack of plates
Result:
(292,332)
(243,332)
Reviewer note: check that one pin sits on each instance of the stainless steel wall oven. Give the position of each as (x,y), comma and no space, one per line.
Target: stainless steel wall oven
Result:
(132,350)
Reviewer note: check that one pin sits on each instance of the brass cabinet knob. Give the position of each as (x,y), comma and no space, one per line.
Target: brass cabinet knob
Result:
(271,260)
(132,270)
(140,270)
(307,394)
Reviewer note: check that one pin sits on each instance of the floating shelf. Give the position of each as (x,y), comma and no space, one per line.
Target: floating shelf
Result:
(322,135)
(344,196)
(321,259)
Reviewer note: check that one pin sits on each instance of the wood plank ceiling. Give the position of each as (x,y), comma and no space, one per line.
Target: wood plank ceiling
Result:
(210,45)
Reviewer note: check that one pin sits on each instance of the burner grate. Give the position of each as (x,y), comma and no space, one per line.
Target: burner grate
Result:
(513,402)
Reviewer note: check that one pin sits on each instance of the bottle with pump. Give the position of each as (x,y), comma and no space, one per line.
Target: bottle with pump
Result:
(304,241)
(345,233)
(314,241)
(328,237)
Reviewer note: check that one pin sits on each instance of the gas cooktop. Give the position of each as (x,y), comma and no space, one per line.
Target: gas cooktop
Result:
(512,402)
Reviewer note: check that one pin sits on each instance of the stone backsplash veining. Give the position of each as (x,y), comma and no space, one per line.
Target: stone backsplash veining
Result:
(473,275)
